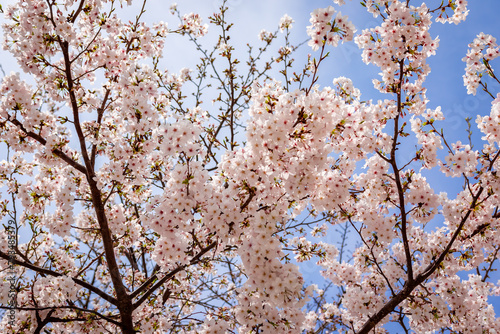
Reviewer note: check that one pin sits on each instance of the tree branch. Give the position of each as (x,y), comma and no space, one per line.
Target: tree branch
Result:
(57,152)
(167,277)
(49,272)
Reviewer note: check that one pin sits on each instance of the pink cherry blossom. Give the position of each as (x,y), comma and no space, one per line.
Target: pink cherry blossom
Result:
(130,205)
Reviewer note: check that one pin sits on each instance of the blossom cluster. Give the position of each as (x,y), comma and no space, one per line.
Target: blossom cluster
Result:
(325,31)
(141,208)
(285,22)
(460,12)
(462,161)
(192,24)
(481,51)
(489,125)
(403,36)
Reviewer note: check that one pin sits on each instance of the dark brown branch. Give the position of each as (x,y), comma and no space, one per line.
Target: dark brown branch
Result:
(124,302)
(490,266)
(77,12)
(100,113)
(72,307)
(397,178)
(411,285)
(49,272)
(57,152)
(167,277)
(88,265)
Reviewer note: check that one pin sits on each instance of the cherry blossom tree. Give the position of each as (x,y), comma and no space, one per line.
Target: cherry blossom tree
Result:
(146,210)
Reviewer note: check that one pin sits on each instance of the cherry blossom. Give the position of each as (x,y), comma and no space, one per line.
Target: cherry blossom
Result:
(143,209)
(477,62)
